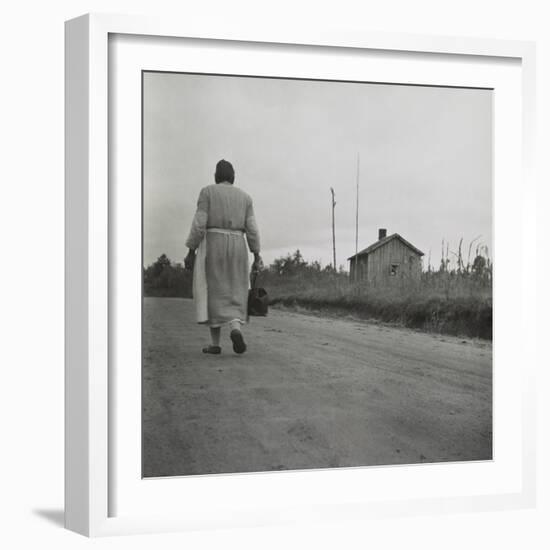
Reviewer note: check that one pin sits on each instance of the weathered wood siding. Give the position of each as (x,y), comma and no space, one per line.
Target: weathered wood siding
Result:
(361,265)
(377,265)
(380,261)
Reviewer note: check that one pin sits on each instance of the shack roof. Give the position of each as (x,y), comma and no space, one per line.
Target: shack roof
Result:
(384,241)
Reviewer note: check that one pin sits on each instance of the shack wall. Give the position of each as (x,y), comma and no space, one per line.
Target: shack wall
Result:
(393,260)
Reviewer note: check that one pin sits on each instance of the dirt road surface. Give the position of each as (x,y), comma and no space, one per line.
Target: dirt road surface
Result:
(310,392)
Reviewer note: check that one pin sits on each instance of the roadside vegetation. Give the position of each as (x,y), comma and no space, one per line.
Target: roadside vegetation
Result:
(165,279)
(449,300)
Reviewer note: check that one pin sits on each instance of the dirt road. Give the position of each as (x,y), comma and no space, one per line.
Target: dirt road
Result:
(309,393)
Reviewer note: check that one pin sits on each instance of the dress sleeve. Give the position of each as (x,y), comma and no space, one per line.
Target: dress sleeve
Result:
(198,226)
(251,229)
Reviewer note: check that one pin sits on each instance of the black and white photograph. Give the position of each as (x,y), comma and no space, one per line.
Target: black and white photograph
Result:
(292,268)
(317,278)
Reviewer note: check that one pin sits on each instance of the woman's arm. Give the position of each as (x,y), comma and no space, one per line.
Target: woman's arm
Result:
(200,220)
(253,236)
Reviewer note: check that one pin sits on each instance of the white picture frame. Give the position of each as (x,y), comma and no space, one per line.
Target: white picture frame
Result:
(90,397)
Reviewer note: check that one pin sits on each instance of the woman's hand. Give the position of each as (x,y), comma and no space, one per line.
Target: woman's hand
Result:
(189,261)
(258,264)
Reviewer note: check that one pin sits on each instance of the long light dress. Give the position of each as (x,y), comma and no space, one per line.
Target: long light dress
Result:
(224,216)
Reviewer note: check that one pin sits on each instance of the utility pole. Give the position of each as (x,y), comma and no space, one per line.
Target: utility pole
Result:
(333,202)
(357,220)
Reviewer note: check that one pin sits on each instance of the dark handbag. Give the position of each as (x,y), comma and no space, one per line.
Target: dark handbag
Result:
(258,299)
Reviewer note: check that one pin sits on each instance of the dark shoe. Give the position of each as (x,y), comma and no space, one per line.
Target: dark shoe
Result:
(216,350)
(238,341)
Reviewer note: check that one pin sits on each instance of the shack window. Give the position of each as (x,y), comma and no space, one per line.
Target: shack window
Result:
(393,269)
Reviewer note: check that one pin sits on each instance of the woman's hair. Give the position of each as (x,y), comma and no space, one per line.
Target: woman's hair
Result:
(224,172)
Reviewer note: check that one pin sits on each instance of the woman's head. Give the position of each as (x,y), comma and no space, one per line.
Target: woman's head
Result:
(224,172)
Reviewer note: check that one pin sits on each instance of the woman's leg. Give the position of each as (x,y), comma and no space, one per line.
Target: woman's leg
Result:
(237,336)
(235,325)
(215,336)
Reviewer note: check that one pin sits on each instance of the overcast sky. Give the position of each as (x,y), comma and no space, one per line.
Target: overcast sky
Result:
(425,161)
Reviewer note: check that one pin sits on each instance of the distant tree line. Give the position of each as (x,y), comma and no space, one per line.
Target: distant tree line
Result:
(164,278)
(455,300)
(294,264)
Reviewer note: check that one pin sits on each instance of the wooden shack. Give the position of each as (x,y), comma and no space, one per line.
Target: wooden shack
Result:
(389,258)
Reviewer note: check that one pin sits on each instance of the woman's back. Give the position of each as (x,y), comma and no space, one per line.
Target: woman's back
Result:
(228,206)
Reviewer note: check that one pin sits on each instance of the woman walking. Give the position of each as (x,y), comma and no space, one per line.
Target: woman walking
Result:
(218,256)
